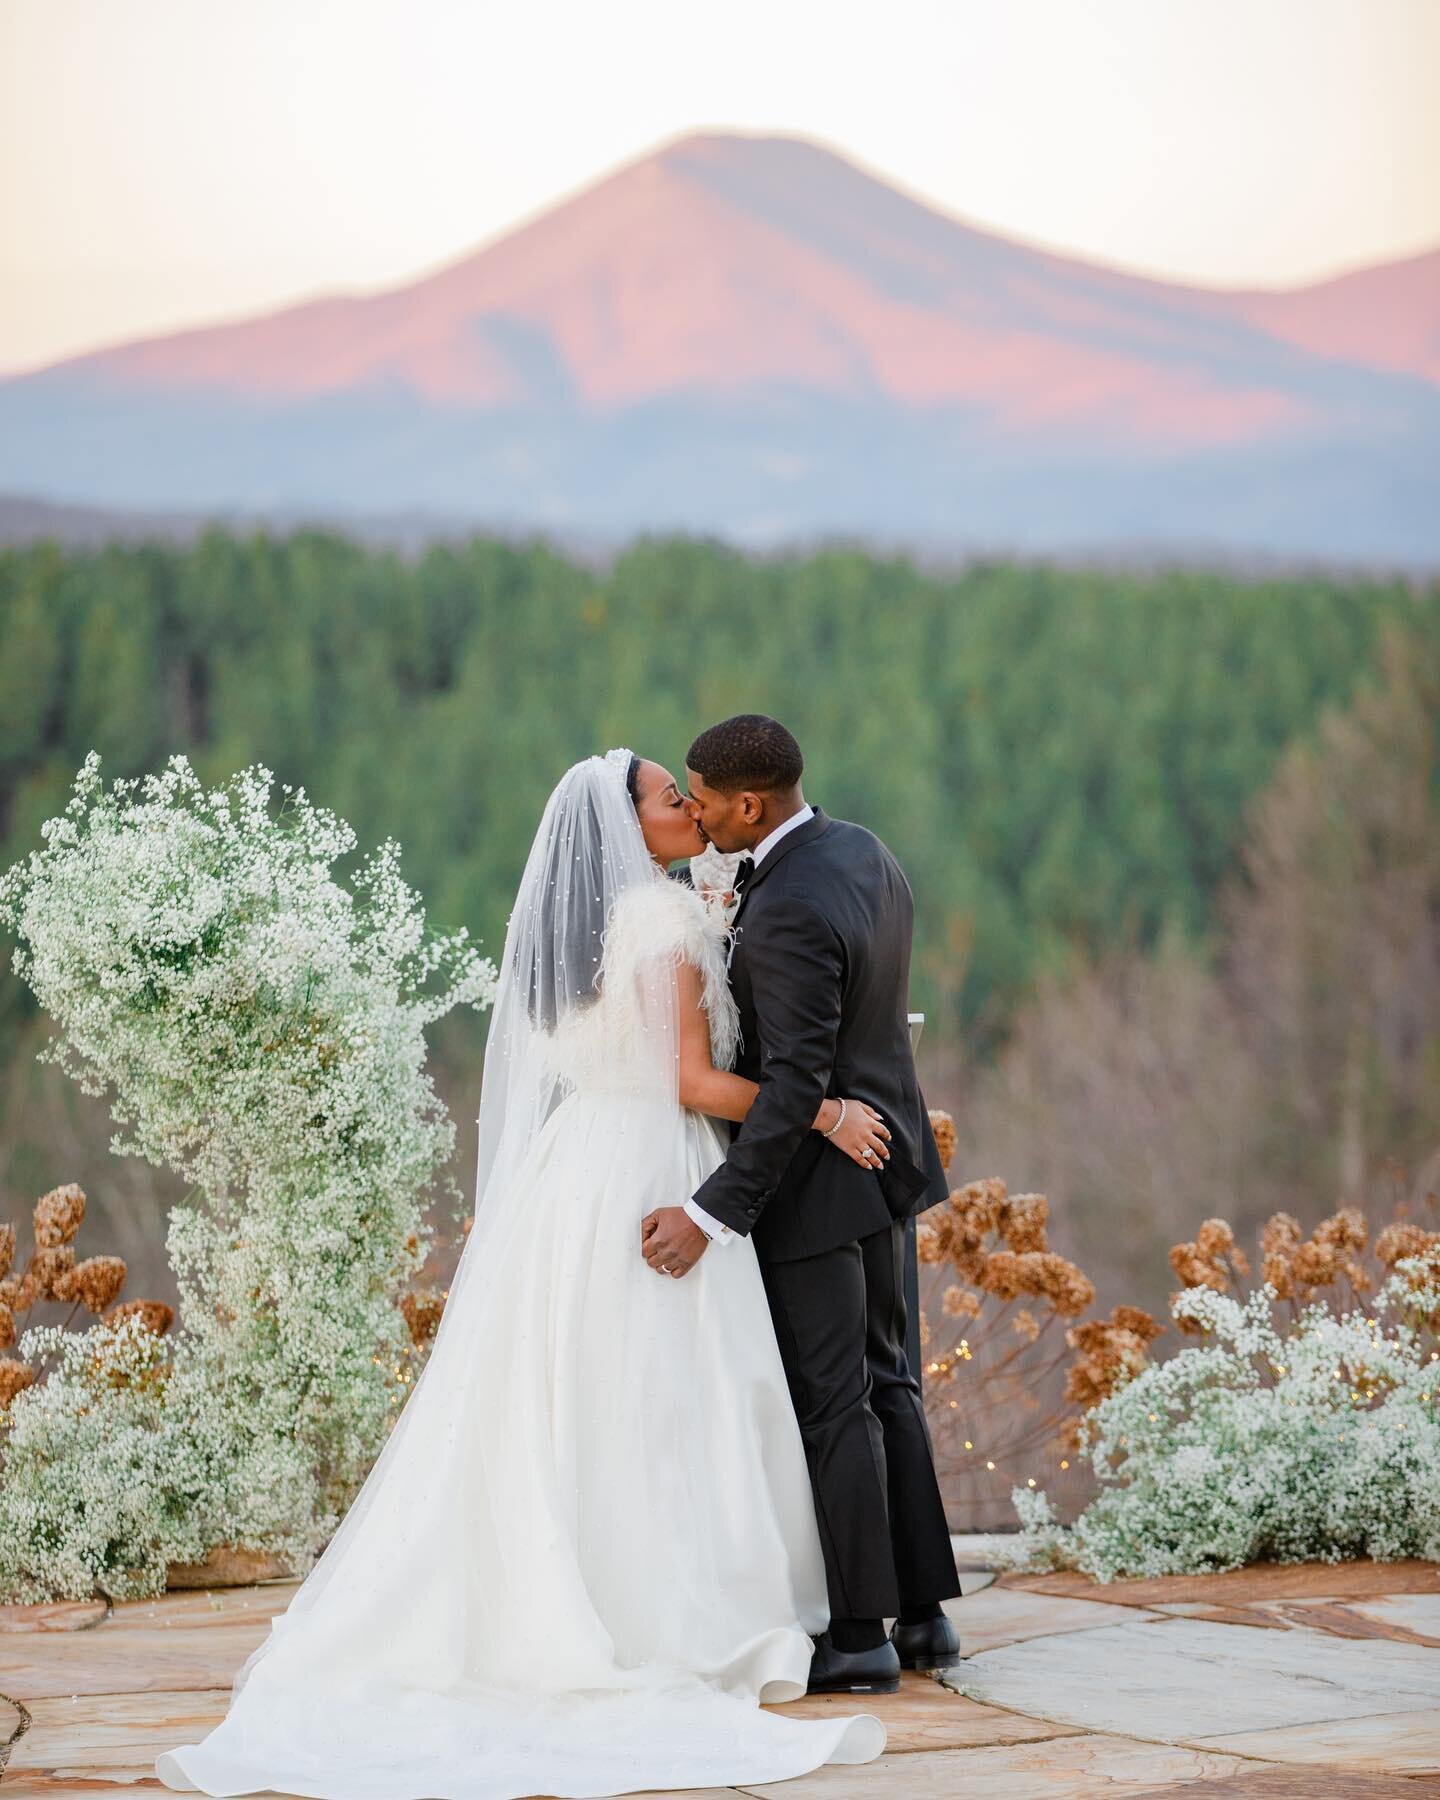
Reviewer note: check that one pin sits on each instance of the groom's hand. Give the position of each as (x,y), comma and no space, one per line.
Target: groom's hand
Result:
(670,1241)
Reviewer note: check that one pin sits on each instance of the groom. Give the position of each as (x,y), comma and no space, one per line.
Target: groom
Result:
(819,970)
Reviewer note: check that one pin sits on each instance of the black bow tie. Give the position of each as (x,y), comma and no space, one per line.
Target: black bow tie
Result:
(744,869)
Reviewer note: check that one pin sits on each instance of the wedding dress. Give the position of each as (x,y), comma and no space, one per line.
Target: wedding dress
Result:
(588,1550)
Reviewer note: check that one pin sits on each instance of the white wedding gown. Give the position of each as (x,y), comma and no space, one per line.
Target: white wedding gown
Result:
(596,1552)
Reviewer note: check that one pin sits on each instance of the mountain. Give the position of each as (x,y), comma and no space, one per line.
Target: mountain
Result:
(753,336)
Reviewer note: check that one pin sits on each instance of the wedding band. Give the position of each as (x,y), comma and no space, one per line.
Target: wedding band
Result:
(664,1268)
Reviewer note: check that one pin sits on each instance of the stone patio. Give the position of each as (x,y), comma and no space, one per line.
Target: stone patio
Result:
(1283,1683)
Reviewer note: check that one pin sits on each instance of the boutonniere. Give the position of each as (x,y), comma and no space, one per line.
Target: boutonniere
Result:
(713,873)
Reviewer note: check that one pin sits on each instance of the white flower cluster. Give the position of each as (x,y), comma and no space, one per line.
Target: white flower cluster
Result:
(1316,1440)
(261,1028)
(132,1456)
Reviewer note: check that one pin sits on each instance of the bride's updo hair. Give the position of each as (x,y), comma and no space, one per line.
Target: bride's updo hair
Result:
(750,752)
(632,781)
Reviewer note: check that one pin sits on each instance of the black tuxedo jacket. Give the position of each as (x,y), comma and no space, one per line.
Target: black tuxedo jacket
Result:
(820,970)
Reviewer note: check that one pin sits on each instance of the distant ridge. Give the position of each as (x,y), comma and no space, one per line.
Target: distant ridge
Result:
(752,335)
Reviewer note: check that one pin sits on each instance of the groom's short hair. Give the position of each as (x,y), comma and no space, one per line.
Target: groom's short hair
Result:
(748,751)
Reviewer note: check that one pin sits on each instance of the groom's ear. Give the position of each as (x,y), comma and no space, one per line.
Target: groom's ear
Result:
(752,807)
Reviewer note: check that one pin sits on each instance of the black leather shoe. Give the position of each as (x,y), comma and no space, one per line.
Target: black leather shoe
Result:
(932,1644)
(835,1671)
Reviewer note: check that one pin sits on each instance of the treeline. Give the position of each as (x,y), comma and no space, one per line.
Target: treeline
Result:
(1061,759)
(1291,1063)
(1065,762)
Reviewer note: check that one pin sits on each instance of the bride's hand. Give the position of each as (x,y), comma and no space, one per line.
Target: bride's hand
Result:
(864,1135)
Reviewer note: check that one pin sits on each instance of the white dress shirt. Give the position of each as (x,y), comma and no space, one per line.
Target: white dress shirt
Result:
(712,1227)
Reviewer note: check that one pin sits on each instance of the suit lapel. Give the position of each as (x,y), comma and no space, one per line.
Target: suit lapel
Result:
(802,834)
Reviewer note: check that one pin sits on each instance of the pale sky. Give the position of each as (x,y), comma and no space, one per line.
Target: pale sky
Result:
(171,162)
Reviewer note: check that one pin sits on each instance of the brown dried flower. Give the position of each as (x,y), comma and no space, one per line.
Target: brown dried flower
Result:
(58,1215)
(7,1327)
(961,1303)
(1008,1274)
(1214,1238)
(945,1137)
(930,1242)
(979,1203)
(1109,1352)
(1004,1275)
(1402,1239)
(14,1377)
(1022,1221)
(1280,1234)
(28,1290)
(48,1266)
(1344,1230)
(1071,1289)
(1278,1240)
(155,1315)
(1137,1321)
(422,1309)
(1315,1264)
(7,1248)
(1025,1324)
(1193,1267)
(94,1282)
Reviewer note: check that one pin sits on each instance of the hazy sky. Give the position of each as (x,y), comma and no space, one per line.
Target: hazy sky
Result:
(166,162)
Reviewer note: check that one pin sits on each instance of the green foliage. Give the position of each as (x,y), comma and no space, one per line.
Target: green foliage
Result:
(1061,759)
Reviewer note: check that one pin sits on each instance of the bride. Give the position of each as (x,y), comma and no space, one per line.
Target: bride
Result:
(588,1549)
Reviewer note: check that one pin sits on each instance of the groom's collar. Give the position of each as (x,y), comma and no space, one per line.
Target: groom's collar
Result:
(815,826)
(772,837)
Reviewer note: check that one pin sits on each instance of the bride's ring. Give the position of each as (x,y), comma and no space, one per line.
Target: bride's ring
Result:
(664,1268)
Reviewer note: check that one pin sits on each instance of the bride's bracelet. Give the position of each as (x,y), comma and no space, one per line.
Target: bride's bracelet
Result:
(838,1123)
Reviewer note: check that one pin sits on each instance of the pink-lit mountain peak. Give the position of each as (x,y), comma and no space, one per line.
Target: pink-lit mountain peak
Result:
(728,264)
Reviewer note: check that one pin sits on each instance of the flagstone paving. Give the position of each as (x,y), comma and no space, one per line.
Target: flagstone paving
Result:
(1268,1684)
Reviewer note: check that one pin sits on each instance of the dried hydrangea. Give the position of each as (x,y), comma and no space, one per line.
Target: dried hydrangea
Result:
(960,1303)
(93,1283)
(421,1310)
(154,1315)
(15,1376)
(59,1215)
(1109,1352)
(49,1266)
(943,1127)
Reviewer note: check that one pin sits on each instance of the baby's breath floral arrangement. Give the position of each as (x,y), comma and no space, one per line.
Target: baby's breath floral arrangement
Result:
(259,1026)
(1304,1424)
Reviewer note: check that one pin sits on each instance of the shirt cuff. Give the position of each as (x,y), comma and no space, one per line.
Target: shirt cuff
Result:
(712,1228)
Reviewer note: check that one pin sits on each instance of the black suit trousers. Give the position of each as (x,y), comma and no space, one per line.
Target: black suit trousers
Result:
(840,1323)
